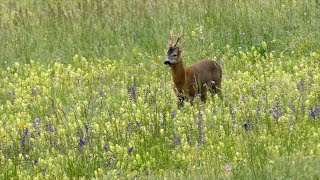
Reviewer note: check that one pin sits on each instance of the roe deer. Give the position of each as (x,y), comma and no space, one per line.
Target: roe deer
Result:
(194,80)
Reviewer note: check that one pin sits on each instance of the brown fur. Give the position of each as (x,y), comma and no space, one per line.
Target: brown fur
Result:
(195,79)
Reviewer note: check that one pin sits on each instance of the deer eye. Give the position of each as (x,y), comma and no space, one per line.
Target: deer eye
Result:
(174,55)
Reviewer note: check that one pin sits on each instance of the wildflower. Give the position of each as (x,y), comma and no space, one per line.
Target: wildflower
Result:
(21,126)
(106,147)
(132,93)
(130,150)
(128,126)
(107,164)
(246,126)
(43,171)
(173,114)
(300,85)
(49,127)
(312,113)
(200,133)
(228,168)
(176,139)
(101,93)
(81,143)
(138,123)
(26,131)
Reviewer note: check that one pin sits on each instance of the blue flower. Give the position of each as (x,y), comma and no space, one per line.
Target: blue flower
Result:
(312,113)
(130,150)
(81,143)
(106,147)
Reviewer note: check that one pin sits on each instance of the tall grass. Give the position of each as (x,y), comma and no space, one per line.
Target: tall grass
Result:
(84,94)
(56,30)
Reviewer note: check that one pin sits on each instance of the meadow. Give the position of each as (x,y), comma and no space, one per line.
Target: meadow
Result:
(85,95)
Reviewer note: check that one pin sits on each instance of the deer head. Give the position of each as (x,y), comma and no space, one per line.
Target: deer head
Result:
(174,51)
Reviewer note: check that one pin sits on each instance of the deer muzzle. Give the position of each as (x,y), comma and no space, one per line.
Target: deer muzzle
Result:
(167,62)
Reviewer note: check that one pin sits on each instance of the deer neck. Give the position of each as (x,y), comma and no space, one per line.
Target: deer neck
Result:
(179,77)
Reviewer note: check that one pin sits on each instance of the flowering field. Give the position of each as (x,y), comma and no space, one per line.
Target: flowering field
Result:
(104,119)
(84,93)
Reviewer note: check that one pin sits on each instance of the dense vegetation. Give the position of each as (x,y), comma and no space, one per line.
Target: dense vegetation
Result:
(84,93)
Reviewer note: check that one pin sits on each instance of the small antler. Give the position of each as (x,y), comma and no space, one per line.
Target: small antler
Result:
(180,35)
(169,42)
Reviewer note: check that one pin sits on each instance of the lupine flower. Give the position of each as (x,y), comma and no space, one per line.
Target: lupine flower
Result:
(132,93)
(173,114)
(81,143)
(106,147)
(312,113)
(130,150)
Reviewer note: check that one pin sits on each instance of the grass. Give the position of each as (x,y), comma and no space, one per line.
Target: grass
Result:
(84,93)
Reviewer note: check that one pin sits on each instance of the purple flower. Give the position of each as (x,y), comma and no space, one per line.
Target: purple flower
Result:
(130,150)
(137,123)
(312,113)
(106,147)
(81,143)
(228,168)
(173,114)
(49,127)
(26,131)
(37,120)
(132,93)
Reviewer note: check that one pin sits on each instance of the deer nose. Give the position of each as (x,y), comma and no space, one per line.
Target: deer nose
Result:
(166,62)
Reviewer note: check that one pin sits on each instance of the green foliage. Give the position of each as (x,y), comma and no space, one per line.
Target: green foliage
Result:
(84,93)
(49,30)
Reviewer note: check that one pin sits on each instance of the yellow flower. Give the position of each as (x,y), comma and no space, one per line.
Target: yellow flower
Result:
(21,125)
(3,134)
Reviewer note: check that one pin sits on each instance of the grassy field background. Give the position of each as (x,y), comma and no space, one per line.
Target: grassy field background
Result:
(84,92)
